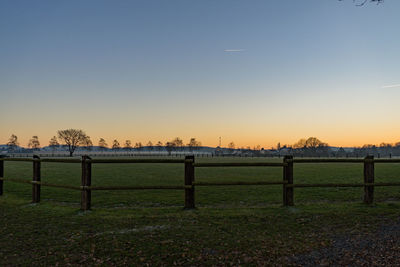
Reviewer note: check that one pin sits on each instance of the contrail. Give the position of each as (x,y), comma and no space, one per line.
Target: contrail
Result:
(234,50)
(391,86)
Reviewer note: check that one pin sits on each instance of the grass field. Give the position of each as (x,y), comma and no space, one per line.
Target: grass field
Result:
(233,224)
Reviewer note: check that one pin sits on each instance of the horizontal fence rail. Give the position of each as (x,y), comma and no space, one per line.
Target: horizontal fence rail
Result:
(327,160)
(17,159)
(75,160)
(137,160)
(62,160)
(22,181)
(237,183)
(387,160)
(344,185)
(150,187)
(240,164)
(190,184)
(16,180)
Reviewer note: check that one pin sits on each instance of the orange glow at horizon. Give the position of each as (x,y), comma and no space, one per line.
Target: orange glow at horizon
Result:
(255,124)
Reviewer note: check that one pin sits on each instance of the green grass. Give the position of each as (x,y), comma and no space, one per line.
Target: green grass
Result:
(217,196)
(232,224)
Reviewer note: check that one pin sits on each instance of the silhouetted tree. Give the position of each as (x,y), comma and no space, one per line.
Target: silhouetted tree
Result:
(53,143)
(102,144)
(72,138)
(193,144)
(87,143)
(128,145)
(177,143)
(116,145)
(12,142)
(34,142)
(311,147)
(300,144)
(314,142)
(138,146)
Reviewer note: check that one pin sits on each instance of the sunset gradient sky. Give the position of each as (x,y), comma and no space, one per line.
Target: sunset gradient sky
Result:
(155,70)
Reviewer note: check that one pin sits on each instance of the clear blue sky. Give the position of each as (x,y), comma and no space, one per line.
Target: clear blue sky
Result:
(154,70)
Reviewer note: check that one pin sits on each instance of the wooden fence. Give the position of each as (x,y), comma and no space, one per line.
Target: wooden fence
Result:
(190,184)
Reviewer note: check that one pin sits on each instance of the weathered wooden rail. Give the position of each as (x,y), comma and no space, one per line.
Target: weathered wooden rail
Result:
(287,182)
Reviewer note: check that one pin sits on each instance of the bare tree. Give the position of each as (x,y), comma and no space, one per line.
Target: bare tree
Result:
(177,143)
(72,138)
(12,142)
(116,145)
(138,146)
(34,142)
(53,143)
(314,142)
(311,146)
(300,144)
(128,145)
(102,144)
(311,142)
(87,143)
(193,144)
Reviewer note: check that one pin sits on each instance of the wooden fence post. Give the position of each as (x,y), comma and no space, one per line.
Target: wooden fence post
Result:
(369,177)
(288,179)
(189,179)
(86,194)
(1,175)
(36,178)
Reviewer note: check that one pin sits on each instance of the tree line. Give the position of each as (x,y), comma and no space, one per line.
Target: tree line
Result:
(312,146)
(74,138)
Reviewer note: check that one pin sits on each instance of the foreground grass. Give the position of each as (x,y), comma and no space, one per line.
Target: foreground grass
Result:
(232,225)
(48,234)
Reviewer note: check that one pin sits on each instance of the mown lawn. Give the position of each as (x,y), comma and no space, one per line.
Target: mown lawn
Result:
(232,225)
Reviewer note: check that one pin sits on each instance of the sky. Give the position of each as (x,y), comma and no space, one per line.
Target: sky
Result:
(253,72)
